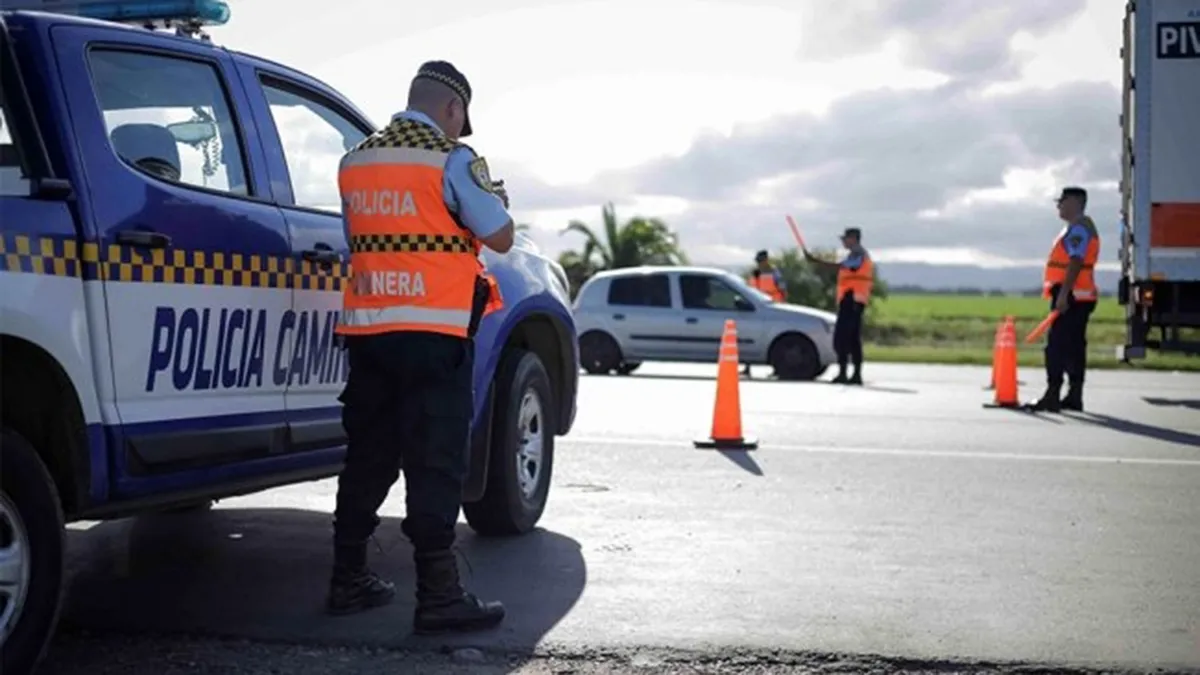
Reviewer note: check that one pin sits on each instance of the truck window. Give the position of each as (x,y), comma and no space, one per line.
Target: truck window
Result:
(650,290)
(12,174)
(314,138)
(170,118)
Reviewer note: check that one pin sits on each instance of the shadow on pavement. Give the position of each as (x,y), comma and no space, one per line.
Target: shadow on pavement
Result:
(1024,412)
(744,459)
(1139,429)
(1194,404)
(262,574)
(889,390)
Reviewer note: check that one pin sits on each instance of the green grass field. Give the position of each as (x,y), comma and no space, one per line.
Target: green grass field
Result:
(961,329)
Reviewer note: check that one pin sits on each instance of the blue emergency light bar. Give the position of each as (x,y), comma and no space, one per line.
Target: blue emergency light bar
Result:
(202,12)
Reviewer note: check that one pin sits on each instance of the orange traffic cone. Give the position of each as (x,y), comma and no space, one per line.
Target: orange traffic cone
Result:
(1006,367)
(996,350)
(727,412)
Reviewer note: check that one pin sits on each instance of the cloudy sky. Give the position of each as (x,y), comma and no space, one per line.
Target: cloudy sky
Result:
(941,127)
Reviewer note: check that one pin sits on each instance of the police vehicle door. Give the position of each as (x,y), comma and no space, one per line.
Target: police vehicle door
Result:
(193,255)
(305,134)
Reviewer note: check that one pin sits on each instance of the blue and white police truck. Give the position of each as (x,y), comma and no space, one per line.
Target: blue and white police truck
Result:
(171,259)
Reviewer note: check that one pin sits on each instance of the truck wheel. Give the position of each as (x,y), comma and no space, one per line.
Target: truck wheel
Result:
(598,352)
(522,458)
(31,555)
(794,357)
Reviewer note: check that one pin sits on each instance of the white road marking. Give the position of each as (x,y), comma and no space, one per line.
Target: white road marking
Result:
(828,449)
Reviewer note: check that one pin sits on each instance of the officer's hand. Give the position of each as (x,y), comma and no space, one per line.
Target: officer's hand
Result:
(501,192)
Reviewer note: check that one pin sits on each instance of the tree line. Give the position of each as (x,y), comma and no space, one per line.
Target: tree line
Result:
(649,241)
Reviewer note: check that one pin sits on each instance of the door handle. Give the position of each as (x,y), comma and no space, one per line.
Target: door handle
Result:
(321,254)
(619,317)
(143,238)
(690,319)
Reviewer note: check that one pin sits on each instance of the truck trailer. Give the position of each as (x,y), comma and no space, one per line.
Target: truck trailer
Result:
(1160,182)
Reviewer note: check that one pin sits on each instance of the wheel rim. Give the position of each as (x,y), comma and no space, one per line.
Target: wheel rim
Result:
(14,567)
(793,356)
(530,443)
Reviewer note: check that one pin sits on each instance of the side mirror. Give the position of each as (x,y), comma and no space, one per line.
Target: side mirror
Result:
(193,132)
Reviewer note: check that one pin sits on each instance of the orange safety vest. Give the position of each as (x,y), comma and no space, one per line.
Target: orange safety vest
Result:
(413,267)
(859,281)
(765,282)
(1057,262)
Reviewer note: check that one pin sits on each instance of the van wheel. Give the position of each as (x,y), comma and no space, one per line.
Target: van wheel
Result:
(794,357)
(598,353)
(31,555)
(522,453)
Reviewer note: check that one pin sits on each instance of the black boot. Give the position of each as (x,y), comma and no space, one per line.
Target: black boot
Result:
(355,588)
(841,376)
(442,605)
(856,378)
(1074,398)
(1049,402)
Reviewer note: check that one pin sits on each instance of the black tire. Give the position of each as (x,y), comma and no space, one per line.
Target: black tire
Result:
(599,353)
(628,367)
(505,509)
(794,357)
(28,489)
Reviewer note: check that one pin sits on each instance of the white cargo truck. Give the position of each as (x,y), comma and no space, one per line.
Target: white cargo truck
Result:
(1160,182)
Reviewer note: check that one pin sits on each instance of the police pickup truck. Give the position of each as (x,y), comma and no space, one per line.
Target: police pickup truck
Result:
(171,261)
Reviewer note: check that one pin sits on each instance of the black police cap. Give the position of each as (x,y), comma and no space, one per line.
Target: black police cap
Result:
(852,232)
(1073,191)
(447,74)
(762,255)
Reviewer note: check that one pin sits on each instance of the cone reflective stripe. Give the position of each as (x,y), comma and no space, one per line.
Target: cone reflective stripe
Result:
(1006,367)
(727,409)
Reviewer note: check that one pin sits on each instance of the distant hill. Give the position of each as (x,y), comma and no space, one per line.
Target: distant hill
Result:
(948,277)
(924,276)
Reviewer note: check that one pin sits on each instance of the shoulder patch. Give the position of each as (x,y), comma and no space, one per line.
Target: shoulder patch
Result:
(479,172)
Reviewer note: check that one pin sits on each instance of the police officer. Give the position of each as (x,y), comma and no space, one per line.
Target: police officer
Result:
(766,278)
(855,279)
(417,204)
(1069,283)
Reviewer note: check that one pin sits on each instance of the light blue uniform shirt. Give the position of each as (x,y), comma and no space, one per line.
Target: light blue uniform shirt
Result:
(779,282)
(854,260)
(481,211)
(1076,241)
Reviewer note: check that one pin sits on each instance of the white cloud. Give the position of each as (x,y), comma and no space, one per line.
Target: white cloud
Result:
(578,103)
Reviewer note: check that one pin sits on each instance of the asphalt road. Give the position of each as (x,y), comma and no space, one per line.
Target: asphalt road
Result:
(901,520)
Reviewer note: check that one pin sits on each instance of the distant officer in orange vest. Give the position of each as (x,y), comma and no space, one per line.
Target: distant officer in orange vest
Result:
(855,280)
(418,205)
(1069,283)
(769,280)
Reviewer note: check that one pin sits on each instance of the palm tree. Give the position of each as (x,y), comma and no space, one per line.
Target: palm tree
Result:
(640,241)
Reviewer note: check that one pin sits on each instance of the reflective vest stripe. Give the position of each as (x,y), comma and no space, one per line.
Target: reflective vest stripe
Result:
(456,318)
(434,159)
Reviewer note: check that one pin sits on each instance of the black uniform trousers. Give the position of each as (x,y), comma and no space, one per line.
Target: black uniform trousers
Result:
(847,332)
(408,402)
(1066,343)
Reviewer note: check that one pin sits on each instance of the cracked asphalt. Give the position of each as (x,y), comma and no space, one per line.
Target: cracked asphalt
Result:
(899,527)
